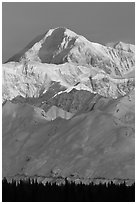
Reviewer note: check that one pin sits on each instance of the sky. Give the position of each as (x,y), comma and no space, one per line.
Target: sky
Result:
(100,22)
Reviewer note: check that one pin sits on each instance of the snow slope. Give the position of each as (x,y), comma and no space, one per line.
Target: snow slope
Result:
(34,79)
(62,45)
(72,61)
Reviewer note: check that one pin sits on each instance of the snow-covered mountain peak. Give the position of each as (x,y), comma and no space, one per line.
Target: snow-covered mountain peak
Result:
(122,46)
(62,56)
(61,45)
(45,47)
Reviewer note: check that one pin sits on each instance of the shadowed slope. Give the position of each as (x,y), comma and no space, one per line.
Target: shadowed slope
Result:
(99,143)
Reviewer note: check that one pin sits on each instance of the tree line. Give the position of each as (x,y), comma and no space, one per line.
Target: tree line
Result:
(32,191)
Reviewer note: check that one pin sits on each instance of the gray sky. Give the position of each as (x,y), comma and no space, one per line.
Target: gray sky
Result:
(98,22)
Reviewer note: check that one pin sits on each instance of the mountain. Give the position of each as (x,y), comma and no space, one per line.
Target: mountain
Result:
(98,143)
(68,107)
(61,45)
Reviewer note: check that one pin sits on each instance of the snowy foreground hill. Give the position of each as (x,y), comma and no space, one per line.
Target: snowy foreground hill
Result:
(68,108)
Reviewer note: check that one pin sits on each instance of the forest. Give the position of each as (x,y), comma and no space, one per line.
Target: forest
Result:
(32,191)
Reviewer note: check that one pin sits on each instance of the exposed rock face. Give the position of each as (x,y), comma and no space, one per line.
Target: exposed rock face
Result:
(71,108)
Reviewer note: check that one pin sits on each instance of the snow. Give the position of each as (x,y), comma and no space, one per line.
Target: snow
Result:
(49,33)
(39,75)
(70,34)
